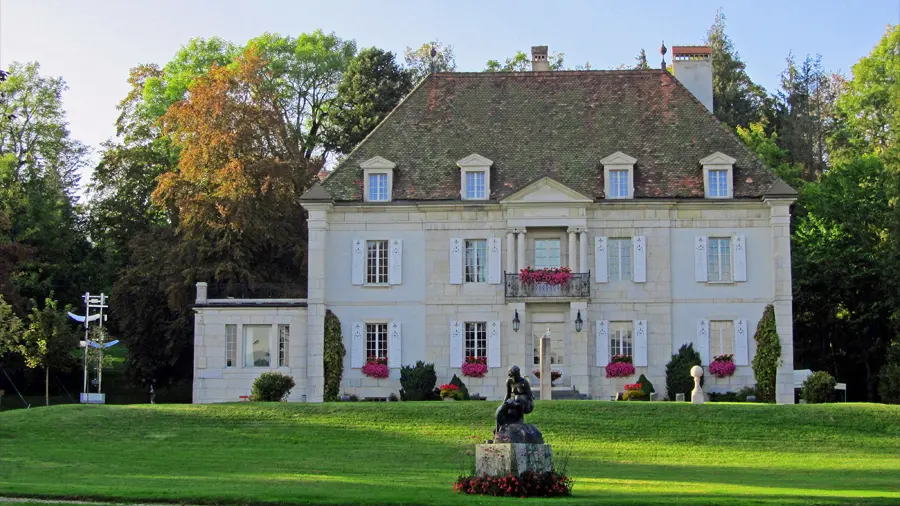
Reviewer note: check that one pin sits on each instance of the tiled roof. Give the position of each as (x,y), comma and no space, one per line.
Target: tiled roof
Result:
(556,124)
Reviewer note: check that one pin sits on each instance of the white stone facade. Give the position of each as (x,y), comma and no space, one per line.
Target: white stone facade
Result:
(666,299)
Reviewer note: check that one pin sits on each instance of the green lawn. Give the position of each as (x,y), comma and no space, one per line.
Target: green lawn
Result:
(406,453)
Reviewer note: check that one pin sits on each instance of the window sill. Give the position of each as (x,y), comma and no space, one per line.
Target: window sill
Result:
(377,285)
(720,283)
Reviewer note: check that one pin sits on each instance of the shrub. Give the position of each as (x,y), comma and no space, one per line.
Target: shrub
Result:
(463,391)
(678,372)
(818,387)
(271,387)
(417,382)
(768,355)
(334,356)
(646,386)
(889,377)
(528,484)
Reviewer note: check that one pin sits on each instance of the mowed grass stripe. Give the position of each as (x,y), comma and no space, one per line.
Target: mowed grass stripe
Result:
(408,453)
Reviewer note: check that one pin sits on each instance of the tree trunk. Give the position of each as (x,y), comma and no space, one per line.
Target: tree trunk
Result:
(47,386)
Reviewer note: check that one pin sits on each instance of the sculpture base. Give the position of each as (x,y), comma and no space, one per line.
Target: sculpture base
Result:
(503,459)
(519,433)
(697,395)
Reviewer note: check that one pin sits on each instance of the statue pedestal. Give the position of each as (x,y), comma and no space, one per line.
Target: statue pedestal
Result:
(502,459)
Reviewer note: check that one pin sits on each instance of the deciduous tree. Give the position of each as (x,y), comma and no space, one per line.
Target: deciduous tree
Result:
(433,56)
(48,341)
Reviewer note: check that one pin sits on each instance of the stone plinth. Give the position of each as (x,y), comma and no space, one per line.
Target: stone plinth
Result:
(546,384)
(501,459)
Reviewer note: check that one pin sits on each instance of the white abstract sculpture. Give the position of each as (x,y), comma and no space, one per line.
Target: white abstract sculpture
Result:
(697,392)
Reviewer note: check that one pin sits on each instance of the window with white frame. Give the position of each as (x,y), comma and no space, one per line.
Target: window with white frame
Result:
(718,182)
(376,262)
(476,261)
(284,339)
(475,184)
(721,337)
(256,345)
(719,259)
(546,253)
(376,340)
(476,339)
(378,187)
(621,341)
(230,345)
(619,259)
(618,184)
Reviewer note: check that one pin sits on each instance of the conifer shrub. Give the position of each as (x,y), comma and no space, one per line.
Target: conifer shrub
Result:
(678,372)
(768,355)
(334,356)
(646,386)
(818,388)
(417,382)
(271,387)
(463,391)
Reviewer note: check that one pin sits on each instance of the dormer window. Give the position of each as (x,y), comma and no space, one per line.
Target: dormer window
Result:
(718,176)
(378,179)
(618,176)
(475,177)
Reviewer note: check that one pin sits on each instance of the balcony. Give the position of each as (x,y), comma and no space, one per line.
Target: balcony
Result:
(576,287)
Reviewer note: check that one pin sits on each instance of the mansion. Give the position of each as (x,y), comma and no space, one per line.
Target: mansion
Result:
(428,241)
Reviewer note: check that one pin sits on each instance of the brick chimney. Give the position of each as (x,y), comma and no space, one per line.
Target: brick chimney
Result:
(693,68)
(539,62)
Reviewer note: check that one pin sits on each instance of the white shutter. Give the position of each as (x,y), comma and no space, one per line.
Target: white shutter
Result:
(602,343)
(639,247)
(740,257)
(456,260)
(494,267)
(741,351)
(395,347)
(702,344)
(601,265)
(456,344)
(493,344)
(700,246)
(357,345)
(395,261)
(640,343)
(358,271)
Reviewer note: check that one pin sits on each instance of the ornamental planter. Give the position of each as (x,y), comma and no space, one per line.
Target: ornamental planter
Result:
(475,367)
(376,368)
(619,367)
(722,366)
(449,399)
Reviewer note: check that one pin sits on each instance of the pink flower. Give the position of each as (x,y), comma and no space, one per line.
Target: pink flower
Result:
(722,368)
(474,369)
(619,369)
(376,369)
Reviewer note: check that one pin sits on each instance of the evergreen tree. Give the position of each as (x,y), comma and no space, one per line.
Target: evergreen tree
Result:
(768,355)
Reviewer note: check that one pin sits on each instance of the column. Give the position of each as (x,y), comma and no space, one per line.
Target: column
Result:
(546,379)
(317,226)
(583,250)
(573,255)
(510,251)
(520,249)
(780,223)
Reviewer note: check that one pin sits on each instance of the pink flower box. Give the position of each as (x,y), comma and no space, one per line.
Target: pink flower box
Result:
(548,276)
(376,368)
(619,369)
(475,367)
(722,366)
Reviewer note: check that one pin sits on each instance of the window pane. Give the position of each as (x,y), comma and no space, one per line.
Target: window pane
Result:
(376,261)
(546,253)
(378,187)
(475,185)
(619,259)
(721,338)
(618,183)
(376,340)
(284,337)
(476,339)
(476,261)
(620,338)
(230,345)
(256,345)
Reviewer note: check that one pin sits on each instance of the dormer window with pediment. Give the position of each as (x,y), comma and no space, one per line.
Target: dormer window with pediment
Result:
(718,176)
(618,176)
(475,177)
(378,177)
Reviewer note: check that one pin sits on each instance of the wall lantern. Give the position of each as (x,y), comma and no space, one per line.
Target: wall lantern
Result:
(579,323)
(516,321)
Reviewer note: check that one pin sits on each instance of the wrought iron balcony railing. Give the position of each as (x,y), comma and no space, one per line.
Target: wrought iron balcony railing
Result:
(576,287)
(256,291)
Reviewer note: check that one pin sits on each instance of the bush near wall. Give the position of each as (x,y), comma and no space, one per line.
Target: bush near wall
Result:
(768,355)
(417,382)
(678,372)
(334,356)
(271,387)
(818,388)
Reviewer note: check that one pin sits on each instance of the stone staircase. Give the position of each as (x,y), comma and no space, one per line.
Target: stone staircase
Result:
(560,394)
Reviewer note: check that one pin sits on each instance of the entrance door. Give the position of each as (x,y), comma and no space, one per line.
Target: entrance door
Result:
(558,340)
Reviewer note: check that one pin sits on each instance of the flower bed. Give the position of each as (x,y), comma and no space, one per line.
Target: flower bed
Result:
(528,484)
(619,367)
(722,366)
(635,392)
(554,375)
(449,391)
(475,367)
(548,276)
(376,368)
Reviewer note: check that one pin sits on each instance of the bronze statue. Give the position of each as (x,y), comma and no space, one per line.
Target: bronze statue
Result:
(519,400)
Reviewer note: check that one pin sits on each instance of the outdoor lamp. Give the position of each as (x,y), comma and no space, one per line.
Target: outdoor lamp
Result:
(579,323)
(516,321)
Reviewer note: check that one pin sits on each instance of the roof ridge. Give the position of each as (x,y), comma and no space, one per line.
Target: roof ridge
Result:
(648,72)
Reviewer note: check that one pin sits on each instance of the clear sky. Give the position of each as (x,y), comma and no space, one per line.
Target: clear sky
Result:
(93,43)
